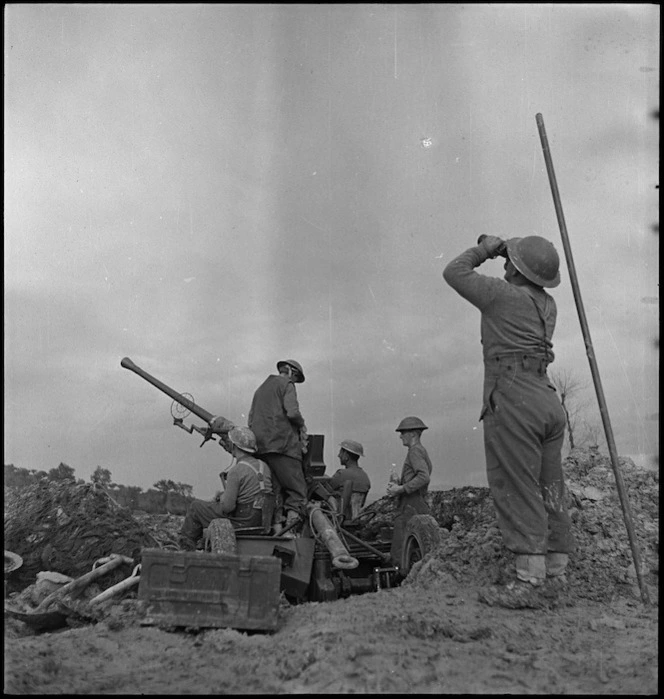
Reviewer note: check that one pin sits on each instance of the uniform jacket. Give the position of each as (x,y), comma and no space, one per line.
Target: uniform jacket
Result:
(243,484)
(361,482)
(275,417)
(515,319)
(416,471)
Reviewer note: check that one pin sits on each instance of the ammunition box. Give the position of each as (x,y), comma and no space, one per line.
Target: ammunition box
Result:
(205,590)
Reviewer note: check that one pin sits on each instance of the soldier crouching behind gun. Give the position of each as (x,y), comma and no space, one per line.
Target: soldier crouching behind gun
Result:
(246,483)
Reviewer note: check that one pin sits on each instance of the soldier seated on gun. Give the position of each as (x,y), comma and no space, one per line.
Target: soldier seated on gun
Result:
(246,483)
(348,456)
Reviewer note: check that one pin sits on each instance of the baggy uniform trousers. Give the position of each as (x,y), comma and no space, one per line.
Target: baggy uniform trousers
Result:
(524,428)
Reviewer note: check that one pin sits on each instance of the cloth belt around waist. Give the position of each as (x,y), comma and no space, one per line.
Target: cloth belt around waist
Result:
(516,361)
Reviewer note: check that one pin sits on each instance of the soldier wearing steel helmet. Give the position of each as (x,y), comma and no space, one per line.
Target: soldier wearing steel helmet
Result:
(411,488)
(247,484)
(281,436)
(349,454)
(524,423)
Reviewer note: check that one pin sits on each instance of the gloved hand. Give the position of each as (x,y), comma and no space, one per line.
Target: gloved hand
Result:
(493,245)
(225,442)
(220,425)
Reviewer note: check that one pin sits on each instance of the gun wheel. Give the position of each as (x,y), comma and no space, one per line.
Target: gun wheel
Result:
(221,536)
(422,536)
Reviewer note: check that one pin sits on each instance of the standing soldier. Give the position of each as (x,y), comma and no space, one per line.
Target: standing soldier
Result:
(524,423)
(281,435)
(411,488)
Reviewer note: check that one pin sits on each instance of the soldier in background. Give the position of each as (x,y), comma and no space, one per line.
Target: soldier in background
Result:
(410,489)
(349,455)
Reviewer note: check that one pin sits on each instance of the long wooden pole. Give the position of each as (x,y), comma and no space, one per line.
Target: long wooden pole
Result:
(622,493)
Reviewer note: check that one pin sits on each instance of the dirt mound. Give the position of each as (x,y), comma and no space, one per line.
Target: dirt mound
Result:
(602,566)
(65,527)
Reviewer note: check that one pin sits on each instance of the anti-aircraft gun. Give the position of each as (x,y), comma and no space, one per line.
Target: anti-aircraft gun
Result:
(334,556)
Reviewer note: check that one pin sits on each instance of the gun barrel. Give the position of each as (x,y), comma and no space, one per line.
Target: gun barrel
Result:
(341,558)
(178,397)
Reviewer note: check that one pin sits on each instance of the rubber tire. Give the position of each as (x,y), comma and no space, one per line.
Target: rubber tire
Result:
(222,536)
(421,536)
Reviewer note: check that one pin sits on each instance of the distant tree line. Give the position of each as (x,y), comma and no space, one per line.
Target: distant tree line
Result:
(165,497)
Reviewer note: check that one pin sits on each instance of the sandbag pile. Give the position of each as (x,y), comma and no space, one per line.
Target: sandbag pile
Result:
(65,527)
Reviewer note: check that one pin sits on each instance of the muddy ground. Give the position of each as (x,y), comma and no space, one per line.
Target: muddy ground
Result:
(409,640)
(431,635)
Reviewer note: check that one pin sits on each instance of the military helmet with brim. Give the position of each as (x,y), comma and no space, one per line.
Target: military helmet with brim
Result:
(244,439)
(299,374)
(411,423)
(352,446)
(536,258)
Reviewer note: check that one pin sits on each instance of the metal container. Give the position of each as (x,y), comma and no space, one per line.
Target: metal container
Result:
(206,590)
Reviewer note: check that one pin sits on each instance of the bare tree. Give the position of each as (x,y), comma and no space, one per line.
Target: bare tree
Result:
(593,433)
(569,388)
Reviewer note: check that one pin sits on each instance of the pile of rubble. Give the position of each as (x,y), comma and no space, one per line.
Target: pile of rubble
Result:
(65,527)
(602,566)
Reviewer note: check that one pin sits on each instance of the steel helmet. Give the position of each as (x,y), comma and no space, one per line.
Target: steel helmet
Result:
(411,423)
(243,438)
(299,378)
(536,259)
(353,447)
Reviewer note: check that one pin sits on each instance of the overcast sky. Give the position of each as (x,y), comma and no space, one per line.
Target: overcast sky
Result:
(208,189)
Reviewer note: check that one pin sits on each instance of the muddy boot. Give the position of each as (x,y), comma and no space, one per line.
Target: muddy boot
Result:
(531,568)
(292,525)
(278,523)
(556,586)
(556,564)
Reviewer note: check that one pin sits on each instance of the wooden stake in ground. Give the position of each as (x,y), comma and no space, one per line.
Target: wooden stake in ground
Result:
(622,493)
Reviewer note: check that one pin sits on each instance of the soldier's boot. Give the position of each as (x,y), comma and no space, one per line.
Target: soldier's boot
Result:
(556,566)
(293,519)
(531,568)
(522,593)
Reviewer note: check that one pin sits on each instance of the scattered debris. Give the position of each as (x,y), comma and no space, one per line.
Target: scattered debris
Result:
(65,527)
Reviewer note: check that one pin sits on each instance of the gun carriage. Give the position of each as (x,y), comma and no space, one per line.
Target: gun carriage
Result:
(334,556)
